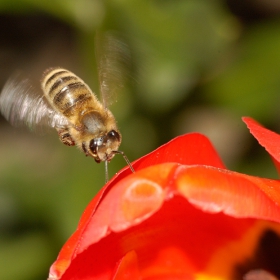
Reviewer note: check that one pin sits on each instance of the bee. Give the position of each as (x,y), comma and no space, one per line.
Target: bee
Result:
(69,106)
(91,127)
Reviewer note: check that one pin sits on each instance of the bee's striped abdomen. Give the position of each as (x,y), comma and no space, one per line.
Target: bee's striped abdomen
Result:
(64,90)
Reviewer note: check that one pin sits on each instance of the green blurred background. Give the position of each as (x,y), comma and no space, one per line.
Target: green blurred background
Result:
(196,65)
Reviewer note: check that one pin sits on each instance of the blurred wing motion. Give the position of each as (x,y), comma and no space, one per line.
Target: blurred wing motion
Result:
(114,59)
(21,105)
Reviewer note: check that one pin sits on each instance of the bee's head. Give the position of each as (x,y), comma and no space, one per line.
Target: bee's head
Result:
(103,148)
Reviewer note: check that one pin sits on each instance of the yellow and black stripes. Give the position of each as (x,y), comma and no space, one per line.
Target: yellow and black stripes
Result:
(64,89)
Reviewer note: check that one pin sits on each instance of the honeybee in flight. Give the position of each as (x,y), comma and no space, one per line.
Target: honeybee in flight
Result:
(69,106)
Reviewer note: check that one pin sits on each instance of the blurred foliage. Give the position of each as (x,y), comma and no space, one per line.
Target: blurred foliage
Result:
(196,65)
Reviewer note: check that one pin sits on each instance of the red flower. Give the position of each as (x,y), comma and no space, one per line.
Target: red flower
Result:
(181,215)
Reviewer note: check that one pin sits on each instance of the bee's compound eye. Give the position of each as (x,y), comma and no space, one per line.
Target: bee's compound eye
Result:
(114,135)
(93,146)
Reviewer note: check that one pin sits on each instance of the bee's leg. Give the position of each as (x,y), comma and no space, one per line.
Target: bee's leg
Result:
(84,149)
(65,137)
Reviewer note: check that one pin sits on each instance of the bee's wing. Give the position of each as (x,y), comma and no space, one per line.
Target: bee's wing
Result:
(113,58)
(21,105)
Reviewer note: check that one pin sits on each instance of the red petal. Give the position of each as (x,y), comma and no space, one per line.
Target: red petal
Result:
(189,149)
(193,148)
(259,274)
(238,195)
(266,138)
(144,213)
(127,268)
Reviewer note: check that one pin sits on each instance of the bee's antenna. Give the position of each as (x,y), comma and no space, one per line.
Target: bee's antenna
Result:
(126,159)
(106,172)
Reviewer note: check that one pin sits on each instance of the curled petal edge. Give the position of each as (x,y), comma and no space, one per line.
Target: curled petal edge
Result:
(208,188)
